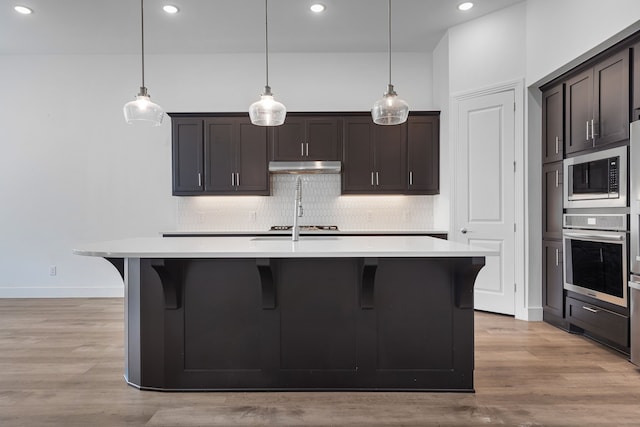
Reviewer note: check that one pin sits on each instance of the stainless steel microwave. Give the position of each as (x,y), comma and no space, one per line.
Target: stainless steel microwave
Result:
(596,180)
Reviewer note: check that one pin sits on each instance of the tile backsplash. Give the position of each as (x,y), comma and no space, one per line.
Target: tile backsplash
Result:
(322,204)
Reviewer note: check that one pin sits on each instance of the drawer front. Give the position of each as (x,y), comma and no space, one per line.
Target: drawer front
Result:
(595,319)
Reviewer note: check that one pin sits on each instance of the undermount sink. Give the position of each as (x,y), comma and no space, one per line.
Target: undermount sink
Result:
(288,237)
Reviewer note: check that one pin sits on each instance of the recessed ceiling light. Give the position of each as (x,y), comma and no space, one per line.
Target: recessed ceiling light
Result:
(23,10)
(169,8)
(465,6)
(317,7)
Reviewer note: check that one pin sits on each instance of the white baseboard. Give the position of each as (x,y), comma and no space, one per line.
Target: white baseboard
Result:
(56,292)
(531,314)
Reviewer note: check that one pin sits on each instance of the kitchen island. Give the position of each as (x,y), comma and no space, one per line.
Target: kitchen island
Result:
(322,313)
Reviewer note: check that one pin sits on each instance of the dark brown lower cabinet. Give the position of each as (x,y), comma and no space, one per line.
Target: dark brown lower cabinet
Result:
(605,324)
(552,280)
(301,323)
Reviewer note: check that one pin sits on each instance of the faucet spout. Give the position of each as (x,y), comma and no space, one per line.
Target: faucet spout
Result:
(297,210)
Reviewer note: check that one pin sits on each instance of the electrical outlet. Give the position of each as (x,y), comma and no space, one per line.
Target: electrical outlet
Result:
(53,270)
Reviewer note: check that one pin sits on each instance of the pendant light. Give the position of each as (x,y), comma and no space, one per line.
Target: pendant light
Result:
(267,111)
(390,110)
(142,109)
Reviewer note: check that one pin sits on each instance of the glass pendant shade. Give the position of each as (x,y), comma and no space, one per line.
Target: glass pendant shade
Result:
(390,109)
(267,111)
(143,110)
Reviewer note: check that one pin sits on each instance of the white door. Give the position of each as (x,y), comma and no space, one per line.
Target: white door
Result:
(484,212)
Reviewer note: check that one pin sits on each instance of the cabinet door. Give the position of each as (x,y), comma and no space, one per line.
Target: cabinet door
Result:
(579,112)
(390,158)
(358,174)
(322,142)
(552,124)
(251,159)
(187,146)
(423,155)
(552,280)
(288,140)
(307,138)
(219,153)
(552,201)
(636,82)
(611,92)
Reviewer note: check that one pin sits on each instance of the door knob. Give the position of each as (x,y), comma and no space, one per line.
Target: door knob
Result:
(463,230)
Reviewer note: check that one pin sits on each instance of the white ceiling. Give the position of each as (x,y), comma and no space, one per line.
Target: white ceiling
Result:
(219,26)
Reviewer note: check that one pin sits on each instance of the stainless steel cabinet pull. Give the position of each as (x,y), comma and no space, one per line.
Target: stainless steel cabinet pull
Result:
(302,149)
(557,178)
(593,310)
(372,183)
(557,144)
(557,257)
(199,179)
(377,179)
(307,149)
(410,178)
(238,179)
(588,131)
(593,236)
(593,131)
(233,179)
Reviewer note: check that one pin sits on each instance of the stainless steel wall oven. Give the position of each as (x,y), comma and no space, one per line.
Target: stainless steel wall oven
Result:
(595,256)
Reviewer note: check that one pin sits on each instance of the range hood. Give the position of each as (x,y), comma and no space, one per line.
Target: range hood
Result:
(325,166)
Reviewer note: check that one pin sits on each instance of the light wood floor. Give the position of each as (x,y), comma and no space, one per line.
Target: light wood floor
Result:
(61,365)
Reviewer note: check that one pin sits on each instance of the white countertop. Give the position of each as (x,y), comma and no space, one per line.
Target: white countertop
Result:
(302,232)
(281,247)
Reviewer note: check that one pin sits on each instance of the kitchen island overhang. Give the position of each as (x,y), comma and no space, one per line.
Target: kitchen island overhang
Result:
(323,313)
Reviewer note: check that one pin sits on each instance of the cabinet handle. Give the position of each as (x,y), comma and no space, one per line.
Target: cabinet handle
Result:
(557,144)
(557,257)
(302,149)
(199,179)
(372,178)
(307,149)
(587,131)
(377,179)
(593,131)
(237,179)
(557,178)
(593,310)
(233,179)
(411,178)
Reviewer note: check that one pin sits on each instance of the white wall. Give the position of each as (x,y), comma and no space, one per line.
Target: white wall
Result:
(72,171)
(563,33)
(488,50)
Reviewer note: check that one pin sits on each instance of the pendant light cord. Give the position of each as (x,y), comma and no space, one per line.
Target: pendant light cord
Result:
(142,38)
(266,39)
(389,39)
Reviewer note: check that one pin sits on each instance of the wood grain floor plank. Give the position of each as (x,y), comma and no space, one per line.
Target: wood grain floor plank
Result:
(61,364)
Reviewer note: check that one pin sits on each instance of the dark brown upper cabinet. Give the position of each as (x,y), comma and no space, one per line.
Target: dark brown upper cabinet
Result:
(636,82)
(307,138)
(187,147)
(218,155)
(374,159)
(553,124)
(423,154)
(597,104)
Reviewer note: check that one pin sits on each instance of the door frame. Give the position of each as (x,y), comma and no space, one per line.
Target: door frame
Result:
(522,311)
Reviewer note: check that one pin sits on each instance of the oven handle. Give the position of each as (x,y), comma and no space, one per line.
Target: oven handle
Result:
(601,237)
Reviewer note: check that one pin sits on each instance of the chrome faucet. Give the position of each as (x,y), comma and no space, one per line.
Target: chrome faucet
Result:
(297,210)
